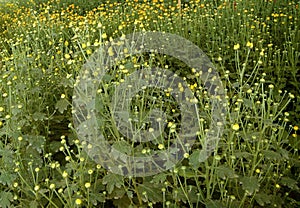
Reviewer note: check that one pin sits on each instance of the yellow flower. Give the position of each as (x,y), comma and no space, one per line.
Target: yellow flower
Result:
(67,56)
(65,174)
(78,201)
(110,51)
(262,53)
(87,185)
(249,44)
(236,47)
(37,187)
(161,146)
(104,36)
(235,127)
(296,128)
(88,52)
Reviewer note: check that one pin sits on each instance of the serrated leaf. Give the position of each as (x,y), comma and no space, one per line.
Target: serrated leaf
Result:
(187,196)
(38,116)
(7,156)
(111,181)
(123,147)
(196,158)
(62,105)
(129,194)
(250,184)
(54,146)
(262,199)
(153,191)
(245,155)
(5,199)
(180,195)
(33,204)
(36,142)
(187,172)
(271,155)
(289,182)
(192,194)
(248,103)
(236,85)
(97,197)
(7,178)
(107,78)
(224,171)
(32,154)
(159,178)
(118,193)
(284,153)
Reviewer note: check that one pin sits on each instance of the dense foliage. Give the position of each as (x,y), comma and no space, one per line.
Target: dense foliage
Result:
(255,48)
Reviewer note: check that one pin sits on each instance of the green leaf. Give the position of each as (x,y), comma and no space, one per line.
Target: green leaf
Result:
(36,142)
(289,182)
(123,147)
(271,155)
(224,171)
(245,155)
(123,202)
(7,178)
(196,158)
(189,196)
(107,78)
(34,204)
(159,178)
(32,154)
(215,204)
(54,146)
(248,103)
(5,199)
(284,153)
(153,191)
(118,193)
(62,105)
(129,194)
(262,199)
(188,172)
(250,184)
(111,181)
(7,156)
(97,197)
(38,116)
(192,194)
